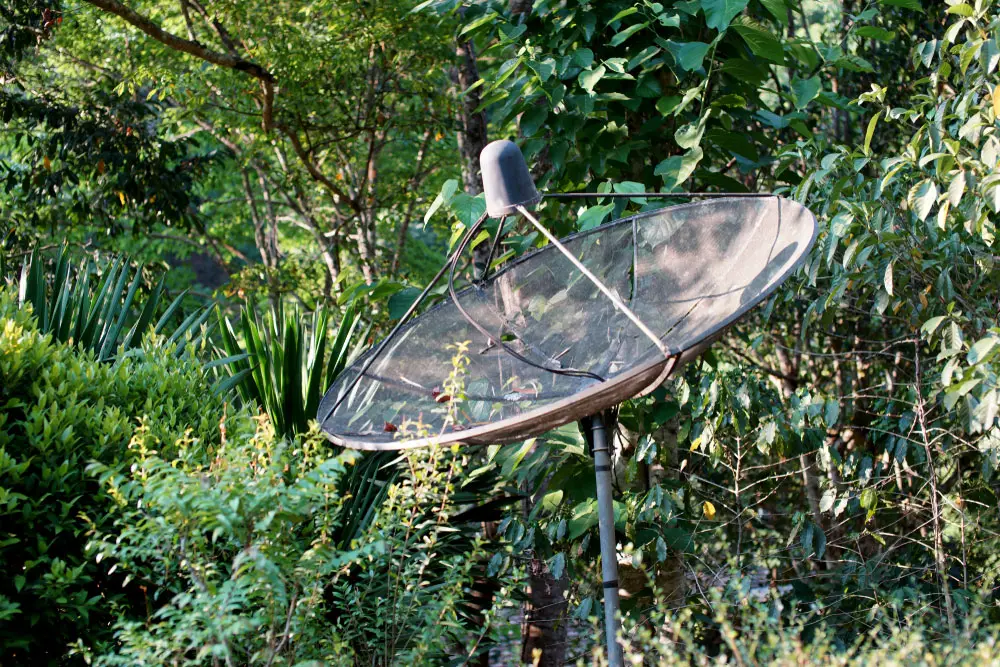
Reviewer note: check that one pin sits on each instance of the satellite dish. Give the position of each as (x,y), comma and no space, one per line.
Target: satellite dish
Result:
(686,271)
(570,330)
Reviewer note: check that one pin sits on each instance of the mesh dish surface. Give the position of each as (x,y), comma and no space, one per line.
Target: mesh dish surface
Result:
(687,271)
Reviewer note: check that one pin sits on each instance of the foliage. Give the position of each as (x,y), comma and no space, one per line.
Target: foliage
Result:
(906,261)
(839,448)
(67,166)
(631,76)
(743,629)
(60,408)
(286,365)
(243,554)
(843,440)
(95,318)
(311,133)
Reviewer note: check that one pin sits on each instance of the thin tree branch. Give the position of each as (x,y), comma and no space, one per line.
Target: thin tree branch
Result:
(196,49)
(187,20)
(314,171)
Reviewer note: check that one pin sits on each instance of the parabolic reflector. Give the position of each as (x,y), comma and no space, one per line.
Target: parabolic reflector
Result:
(687,271)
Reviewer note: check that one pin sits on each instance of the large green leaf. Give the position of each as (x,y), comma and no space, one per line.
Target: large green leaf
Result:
(678,168)
(589,78)
(689,55)
(720,13)
(760,40)
(806,90)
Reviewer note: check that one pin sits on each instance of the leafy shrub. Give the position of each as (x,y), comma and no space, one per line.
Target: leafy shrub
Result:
(60,409)
(733,631)
(244,555)
(285,365)
(210,538)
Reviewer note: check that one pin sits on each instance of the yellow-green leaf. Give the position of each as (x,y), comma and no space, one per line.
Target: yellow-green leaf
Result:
(868,134)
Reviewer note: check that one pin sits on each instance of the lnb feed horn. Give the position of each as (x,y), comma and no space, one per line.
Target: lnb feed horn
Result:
(507,182)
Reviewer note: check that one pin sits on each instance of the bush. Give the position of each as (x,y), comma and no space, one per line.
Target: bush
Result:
(143,523)
(242,551)
(728,628)
(60,409)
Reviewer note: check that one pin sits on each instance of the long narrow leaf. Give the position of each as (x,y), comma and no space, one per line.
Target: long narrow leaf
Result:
(134,336)
(115,330)
(164,320)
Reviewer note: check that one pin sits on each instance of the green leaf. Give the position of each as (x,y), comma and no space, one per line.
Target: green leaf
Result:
(631,186)
(874,32)
(589,78)
(760,40)
(557,566)
(676,169)
(533,119)
(666,105)
(957,188)
(690,55)
(689,136)
(514,458)
(922,198)
(622,14)
(827,501)
(493,567)
(593,216)
(510,33)
(720,13)
(401,301)
(443,197)
(831,413)
(960,10)
(981,350)
(777,9)
(887,278)
(544,68)
(745,71)
(583,58)
(905,4)
(773,119)
(869,133)
(620,37)
(481,21)
(930,326)
(467,208)
(584,518)
(661,549)
(806,90)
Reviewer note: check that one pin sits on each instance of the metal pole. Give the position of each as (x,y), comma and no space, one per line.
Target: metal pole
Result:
(606,526)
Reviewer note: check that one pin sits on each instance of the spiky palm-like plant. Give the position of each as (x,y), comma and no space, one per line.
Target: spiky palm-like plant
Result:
(286,361)
(106,317)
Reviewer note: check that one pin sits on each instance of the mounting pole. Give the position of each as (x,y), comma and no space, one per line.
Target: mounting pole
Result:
(509,189)
(606,527)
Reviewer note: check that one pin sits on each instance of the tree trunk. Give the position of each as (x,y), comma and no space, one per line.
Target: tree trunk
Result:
(472,138)
(545,618)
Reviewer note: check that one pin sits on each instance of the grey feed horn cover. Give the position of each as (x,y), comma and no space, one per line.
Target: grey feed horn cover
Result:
(506,179)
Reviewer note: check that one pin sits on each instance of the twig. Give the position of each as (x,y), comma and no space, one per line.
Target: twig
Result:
(935,509)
